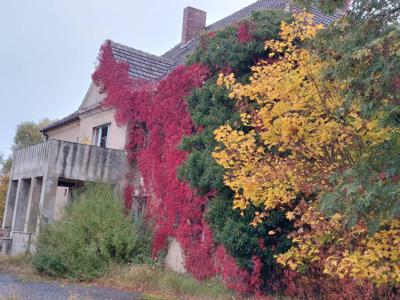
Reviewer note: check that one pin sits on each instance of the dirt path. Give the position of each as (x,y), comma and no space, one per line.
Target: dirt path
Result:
(13,287)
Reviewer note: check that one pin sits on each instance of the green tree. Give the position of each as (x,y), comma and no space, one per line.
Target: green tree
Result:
(364,47)
(377,11)
(3,185)
(6,165)
(3,194)
(29,133)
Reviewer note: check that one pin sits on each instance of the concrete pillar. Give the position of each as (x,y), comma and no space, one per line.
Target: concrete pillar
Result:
(21,205)
(47,201)
(61,200)
(28,209)
(10,203)
(16,205)
(33,209)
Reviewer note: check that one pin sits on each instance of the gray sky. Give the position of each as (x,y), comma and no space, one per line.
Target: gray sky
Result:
(48,48)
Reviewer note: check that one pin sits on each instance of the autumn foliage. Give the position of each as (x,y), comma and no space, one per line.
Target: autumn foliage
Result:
(3,194)
(271,173)
(299,136)
(157,118)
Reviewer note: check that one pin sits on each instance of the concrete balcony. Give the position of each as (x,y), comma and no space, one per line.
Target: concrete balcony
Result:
(41,180)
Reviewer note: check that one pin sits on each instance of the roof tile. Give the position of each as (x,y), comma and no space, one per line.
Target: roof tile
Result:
(141,64)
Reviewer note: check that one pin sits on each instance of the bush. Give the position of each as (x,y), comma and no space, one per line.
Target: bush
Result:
(93,233)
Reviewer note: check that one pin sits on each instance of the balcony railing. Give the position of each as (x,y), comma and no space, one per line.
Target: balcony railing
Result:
(31,160)
(56,158)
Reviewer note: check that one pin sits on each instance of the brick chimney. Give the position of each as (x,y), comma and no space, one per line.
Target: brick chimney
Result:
(194,21)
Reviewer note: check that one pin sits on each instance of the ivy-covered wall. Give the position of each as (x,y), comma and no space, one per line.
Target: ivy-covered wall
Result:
(170,126)
(233,49)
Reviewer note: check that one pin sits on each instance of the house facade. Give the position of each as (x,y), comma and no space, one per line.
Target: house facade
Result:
(88,145)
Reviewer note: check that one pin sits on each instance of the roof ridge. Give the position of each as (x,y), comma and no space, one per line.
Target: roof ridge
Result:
(140,52)
(246,8)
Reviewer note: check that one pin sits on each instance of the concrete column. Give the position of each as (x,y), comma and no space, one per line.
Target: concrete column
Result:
(16,204)
(28,209)
(33,210)
(47,201)
(61,200)
(10,203)
(21,204)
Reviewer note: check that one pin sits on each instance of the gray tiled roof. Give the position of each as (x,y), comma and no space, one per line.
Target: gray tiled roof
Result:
(141,64)
(179,53)
(246,12)
(319,16)
(150,67)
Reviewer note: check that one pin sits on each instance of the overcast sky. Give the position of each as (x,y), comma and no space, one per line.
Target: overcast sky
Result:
(48,48)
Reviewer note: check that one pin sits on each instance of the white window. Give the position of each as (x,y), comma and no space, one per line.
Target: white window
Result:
(101,134)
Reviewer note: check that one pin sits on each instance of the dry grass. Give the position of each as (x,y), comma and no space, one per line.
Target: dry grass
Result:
(154,282)
(11,297)
(20,264)
(149,279)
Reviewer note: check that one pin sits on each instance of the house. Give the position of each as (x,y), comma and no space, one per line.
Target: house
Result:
(87,145)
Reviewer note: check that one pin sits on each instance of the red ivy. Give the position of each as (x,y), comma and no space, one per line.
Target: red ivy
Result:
(157,119)
(314,285)
(240,280)
(396,83)
(128,197)
(243,32)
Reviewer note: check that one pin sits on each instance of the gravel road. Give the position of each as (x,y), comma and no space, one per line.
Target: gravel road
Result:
(12,287)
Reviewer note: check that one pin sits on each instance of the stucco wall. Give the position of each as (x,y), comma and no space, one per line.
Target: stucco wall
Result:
(92,119)
(91,115)
(82,131)
(92,97)
(68,133)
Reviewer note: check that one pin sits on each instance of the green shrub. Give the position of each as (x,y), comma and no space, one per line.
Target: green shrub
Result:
(93,233)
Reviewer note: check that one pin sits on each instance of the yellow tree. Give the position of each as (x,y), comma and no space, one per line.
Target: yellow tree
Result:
(295,134)
(3,194)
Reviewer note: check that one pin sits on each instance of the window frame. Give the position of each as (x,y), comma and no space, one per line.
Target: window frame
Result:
(97,134)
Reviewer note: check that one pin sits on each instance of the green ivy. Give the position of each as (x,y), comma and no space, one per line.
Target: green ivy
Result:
(210,107)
